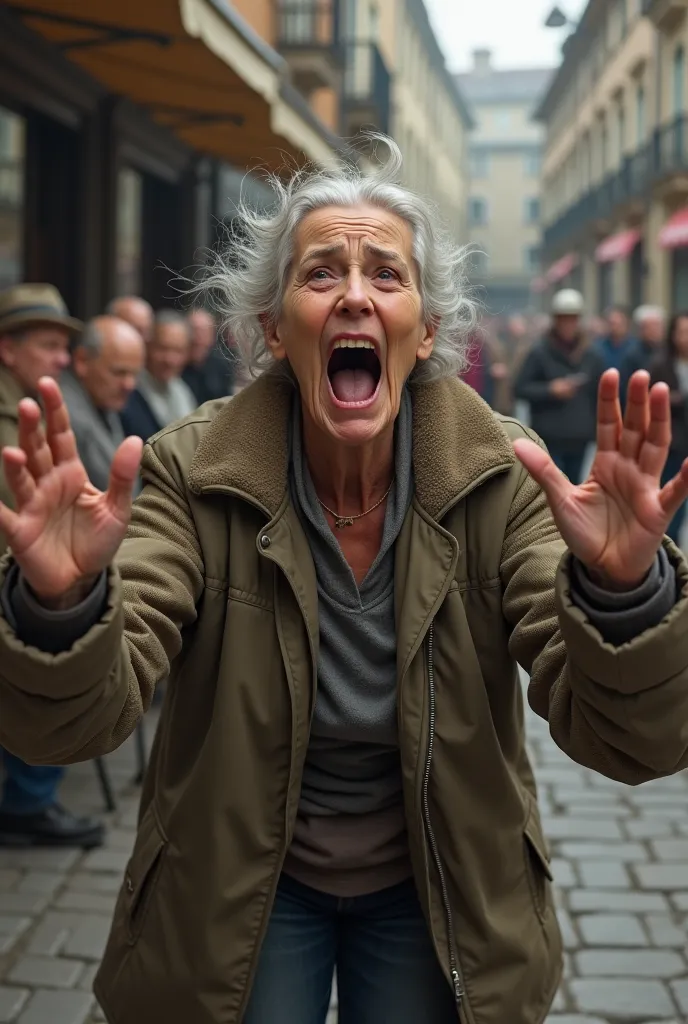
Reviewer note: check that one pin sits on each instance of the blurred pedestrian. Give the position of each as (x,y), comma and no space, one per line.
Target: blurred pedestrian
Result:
(106,363)
(559,380)
(671,366)
(650,327)
(136,311)
(35,330)
(161,396)
(209,369)
(613,345)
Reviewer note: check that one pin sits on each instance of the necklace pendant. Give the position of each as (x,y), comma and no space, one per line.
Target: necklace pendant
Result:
(341,521)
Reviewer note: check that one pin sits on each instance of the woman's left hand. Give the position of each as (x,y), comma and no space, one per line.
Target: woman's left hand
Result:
(615,521)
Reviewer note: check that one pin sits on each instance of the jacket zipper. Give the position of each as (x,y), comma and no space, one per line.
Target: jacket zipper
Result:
(432,840)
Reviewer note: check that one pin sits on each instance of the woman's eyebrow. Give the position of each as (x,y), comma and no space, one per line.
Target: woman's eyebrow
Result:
(388,255)
(322,253)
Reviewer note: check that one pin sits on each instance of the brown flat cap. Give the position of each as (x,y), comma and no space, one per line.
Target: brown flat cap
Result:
(34,305)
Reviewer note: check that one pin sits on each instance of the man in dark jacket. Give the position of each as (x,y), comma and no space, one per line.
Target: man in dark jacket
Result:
(616,343)
(559,381)
(209,371)
(650,322)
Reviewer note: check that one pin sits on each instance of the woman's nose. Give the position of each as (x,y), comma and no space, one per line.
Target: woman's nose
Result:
(356,299)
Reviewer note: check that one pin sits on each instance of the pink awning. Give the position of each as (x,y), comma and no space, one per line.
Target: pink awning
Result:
(538,285)
(674,234)
(617,247)
(562,268)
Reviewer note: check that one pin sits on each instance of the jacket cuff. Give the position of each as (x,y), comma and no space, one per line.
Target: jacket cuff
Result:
(620,617)
(650,658)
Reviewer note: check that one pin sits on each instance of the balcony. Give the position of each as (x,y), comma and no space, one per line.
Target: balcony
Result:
(662,162)
(309,38)
(367,89)
(666,14)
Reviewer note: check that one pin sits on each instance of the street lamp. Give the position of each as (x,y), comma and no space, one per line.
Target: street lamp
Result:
(557,19)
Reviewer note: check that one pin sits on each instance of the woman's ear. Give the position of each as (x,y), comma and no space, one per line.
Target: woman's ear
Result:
(427,343)
(272,336)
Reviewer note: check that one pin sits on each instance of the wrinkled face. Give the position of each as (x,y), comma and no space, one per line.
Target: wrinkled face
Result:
(34,353)
(681,337)
(203,333)
(168,352)
(110,376)
(351,323)
(567,327)
(652,330)
(618,324)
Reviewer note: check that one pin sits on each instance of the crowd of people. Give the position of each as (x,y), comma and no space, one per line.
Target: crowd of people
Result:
(129,371)
(553,369)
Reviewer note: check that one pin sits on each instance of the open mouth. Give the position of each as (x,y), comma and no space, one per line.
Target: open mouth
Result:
(354,371)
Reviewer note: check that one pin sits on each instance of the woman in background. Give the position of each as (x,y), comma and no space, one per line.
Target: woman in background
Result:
(671,366)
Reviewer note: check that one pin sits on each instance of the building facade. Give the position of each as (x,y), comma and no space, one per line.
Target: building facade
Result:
(615,174)
(504,206)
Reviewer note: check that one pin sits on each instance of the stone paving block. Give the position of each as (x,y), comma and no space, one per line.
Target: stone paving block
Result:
(670,849)
(621,852)
(43,883)
(51,1007)
(86,901)
(46,972)
(611,930)
(680,901)
(94,881)
(15,926)
(624,998)
(121,839)
(22,903)
(630,963)
(88,940)
(559,1000)
(88,977)
(616,900)
(564,874)
(603,874)
(11,1002)
(648,828)
(39,860)
(660,876)
(8,879)
(568,930)
(574,1018)
(680,990)
(567,827)
(664,931)
(48,939)
(106,860)
(129,815)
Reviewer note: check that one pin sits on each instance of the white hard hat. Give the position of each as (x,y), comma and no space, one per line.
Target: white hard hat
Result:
(568,302)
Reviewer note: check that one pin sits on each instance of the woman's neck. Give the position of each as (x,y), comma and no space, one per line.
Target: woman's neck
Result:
(348,479)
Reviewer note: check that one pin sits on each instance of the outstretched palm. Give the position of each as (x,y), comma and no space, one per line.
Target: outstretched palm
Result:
(615,521)
(62,530)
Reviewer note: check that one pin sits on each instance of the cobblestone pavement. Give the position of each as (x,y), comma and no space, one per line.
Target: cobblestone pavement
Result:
(620,861)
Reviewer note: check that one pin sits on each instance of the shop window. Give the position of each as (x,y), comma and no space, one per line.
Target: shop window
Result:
(12,156)
(533,163)
(129,231)
(679,80)
(531,258)
(477,211)
(479,262)
(531,211)
(480,165)
(640,114)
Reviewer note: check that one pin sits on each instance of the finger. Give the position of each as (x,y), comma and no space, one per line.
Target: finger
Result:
(675,492)
(9,521)
(637,416)
(609,422)
(123,474)
(655,448)
(39,459)
(19,480)
(60,436)
(554,483)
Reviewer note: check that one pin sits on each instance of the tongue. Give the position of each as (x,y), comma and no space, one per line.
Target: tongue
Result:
(353,385)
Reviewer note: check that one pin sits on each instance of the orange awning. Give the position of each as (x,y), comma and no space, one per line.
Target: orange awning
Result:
(562,268)
(674,234)
(196,67)
(617,247)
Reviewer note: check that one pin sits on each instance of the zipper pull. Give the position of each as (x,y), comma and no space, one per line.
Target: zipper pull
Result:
(458,990)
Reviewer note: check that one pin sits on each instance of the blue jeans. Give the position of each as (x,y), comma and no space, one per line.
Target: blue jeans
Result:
(672,467)
(569,462)
(28,788)
(387,970)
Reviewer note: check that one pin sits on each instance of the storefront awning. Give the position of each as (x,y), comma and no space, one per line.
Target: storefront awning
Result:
(539,285)
(562,268)
(197,68)
(674,234)
(617,247)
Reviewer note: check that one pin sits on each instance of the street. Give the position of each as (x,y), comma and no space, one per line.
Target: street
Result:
(620,858)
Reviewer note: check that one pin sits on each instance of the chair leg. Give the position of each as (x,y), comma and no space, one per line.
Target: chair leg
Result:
(141,758)
(105,784)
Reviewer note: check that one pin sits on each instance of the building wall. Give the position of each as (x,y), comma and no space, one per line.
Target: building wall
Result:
(260,15)
(510,231)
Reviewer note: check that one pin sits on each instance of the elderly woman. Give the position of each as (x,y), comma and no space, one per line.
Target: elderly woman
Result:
(340,570)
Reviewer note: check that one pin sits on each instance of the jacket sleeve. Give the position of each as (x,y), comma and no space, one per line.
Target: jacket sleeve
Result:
(620,710)
(530,384)
(84,702)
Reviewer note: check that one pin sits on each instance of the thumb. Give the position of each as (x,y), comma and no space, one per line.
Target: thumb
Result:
(123,473)
(539,464)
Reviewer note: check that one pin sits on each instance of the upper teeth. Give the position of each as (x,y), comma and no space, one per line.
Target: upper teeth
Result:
(353,343)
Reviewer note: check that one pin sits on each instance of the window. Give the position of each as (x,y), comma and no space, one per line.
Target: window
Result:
(533,163)
(480,165)
(477,211)
(679,80)
(531,258)
(502,118)
(640,114)
(129,229)
(12,156)
(532,211)
(620,131)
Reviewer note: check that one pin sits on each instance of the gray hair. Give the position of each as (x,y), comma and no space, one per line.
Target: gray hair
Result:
(171,317)
(247,282)
(91,338)
(644,313)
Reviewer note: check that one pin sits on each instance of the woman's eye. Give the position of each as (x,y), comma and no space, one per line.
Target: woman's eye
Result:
(386,274)
(320,274)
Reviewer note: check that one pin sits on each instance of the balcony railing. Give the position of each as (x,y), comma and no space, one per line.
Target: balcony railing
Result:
(367,88)
(665,154)
(312,24)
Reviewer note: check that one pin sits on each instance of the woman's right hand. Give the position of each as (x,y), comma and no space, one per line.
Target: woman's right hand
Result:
(63,531)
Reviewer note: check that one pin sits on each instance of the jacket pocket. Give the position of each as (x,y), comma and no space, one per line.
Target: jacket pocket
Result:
(142,873)
(538,869)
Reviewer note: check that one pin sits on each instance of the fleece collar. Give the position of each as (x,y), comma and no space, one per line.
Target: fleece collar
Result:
(456,441)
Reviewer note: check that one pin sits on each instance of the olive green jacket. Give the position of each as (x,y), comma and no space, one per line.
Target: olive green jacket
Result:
(11,393)
(215,586)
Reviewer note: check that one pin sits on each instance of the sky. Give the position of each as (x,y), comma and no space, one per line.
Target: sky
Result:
(513,29)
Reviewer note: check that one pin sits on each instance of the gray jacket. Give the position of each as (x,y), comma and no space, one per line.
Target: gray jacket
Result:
(98,434)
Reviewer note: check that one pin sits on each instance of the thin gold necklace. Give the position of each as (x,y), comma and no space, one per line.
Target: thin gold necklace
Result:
(341,521)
